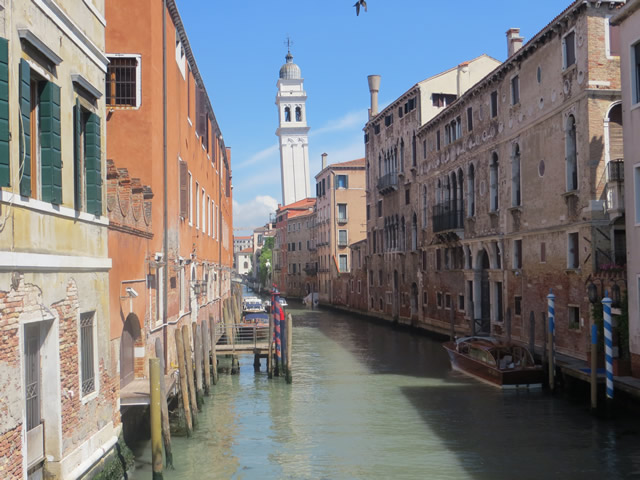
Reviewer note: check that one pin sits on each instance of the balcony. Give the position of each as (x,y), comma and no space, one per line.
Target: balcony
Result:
(388,183)
(310,269)
(615,189)
(342,220)
(342,243)
(447,218)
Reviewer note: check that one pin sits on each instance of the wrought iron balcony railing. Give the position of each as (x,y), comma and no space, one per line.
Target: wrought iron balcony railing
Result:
(445,217)
(388,183)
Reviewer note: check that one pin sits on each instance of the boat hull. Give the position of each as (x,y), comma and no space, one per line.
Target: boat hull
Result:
(529,377)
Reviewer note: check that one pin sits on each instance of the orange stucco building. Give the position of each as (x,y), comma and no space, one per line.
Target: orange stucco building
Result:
(168,186)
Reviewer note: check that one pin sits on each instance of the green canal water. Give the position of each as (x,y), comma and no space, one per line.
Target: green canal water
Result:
(370,402)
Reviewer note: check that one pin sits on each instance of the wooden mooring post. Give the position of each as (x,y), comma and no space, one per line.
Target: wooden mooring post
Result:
(197,354)
(166,430)
(214,355)
(289,332)
(206,348)
(594,368)
(184,384)
(156,418)
(270,350)
(189,364)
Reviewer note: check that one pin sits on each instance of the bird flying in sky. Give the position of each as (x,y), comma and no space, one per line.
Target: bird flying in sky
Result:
(358,4)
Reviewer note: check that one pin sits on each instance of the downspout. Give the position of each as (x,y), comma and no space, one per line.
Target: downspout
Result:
(165,249)
(220,161)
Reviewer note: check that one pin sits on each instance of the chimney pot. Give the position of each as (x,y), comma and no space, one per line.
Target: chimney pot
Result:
(514,41)
(374,88)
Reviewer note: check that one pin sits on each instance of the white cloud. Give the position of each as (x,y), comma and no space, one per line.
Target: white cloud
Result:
(253,213)
(261,155)
(349,120)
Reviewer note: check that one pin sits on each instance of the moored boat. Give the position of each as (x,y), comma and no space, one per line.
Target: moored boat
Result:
(503,365)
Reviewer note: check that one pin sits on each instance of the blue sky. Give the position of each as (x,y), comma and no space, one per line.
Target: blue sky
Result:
(239,47)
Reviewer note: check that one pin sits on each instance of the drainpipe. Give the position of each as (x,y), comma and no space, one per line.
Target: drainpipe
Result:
(165,249)
(220,163)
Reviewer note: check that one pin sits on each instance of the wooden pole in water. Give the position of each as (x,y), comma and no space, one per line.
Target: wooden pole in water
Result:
(156,418)
(214,356)
(594,368)
(197,353)
(184,387)
(206,342)
(270,350)
(166,430)
(189,363)
(289,375)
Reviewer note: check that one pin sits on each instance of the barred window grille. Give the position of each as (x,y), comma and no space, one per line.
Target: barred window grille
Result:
(87,352)
(122,82)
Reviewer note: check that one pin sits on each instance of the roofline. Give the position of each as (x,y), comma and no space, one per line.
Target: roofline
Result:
(625,12)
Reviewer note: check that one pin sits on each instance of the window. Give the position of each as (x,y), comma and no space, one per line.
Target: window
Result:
(569,49)
(517,254)
(197,205)
(424,149)
(543,252)
(342,181)
(87,352)
(407,196)
(424,260)
(287,114)
(441,100)
(438,140)
(204,212)
(388,120)
(635,72)
(461,302)
(515,90)
(371,278)
(573,254)
(342,212)
(516,191)
(181,281)
(87,179)
(517,306)
(425,298)
(343,263)
(471,189)
(184,188)
(425,212)
(438,260)
(494,104)
(298,114)
(613,39)
(359,286)
(574,317)
(376,128)
(571,161)
(342,238)
(379,208)
(5,170)
(439,299)
(213,219)
(123,81)
(209,216)
(190,199)
(379,278)
(493,179)
(470,119)
(414,151)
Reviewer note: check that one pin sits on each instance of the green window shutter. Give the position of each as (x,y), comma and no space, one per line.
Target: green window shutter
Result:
(92,162)
(5,172)
(77,156)
(50,157)
(25,128)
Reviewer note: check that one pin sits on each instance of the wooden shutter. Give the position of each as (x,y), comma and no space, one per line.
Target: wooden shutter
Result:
(77,156)
(92,163)
(51,159)
(25,128)
(184,189)
(5,172)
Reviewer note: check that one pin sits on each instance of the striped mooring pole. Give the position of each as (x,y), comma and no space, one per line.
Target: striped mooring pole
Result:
(608,343)
(551,311)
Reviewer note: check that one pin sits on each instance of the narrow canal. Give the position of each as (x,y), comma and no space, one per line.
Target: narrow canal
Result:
(369,402)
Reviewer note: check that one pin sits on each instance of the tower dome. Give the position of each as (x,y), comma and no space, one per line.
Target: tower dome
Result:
(290,71)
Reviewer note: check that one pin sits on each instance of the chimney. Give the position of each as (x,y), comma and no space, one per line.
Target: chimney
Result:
(374,87)
(514,41)
(324,161)
(463,82)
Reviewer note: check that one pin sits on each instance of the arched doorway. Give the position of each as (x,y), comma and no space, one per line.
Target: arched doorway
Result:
(130,333)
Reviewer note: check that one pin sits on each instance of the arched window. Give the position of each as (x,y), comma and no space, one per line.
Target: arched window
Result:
(298,114)
(403,232)
(516,192)
(414,233)
(424,207)
(471,195)
(287,114)
(395,161)
(493,180)
(572,154)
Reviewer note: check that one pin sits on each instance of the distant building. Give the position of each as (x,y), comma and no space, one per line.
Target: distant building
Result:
(628,20)
(340,219)
(242,243)
(293,133)
(243,260)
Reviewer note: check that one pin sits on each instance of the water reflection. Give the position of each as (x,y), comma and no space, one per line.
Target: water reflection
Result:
(373,403)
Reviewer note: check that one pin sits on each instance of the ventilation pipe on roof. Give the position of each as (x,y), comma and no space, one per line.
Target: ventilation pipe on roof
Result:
(374,87)
(324,161)
(514,41)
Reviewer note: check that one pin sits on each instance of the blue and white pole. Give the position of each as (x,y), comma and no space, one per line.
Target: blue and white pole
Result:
(608,343)
(551,308)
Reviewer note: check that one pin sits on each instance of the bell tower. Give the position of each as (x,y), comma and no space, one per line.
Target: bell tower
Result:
(293,133)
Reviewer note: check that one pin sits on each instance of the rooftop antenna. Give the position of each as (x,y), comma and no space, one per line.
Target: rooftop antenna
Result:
(289,43)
